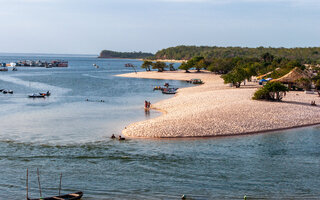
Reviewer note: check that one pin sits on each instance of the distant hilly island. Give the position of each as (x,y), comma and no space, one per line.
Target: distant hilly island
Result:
(308,54)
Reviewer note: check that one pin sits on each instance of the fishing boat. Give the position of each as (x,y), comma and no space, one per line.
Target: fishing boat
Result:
(169,91)
(71,196)
(36,96)
(45,93)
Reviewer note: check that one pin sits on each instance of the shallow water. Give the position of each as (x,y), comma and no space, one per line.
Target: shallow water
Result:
(66,134)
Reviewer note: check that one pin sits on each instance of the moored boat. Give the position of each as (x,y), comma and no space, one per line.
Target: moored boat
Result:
(45,93)
(169,90)
(71,196)
(36,96)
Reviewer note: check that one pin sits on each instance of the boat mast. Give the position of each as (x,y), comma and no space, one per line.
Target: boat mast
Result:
(27,185)
(60,183)
(39,182)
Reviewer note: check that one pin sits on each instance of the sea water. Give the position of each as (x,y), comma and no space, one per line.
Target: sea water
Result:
(69,133)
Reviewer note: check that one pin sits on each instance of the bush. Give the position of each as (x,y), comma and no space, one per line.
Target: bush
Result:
(274,91)
(262,93)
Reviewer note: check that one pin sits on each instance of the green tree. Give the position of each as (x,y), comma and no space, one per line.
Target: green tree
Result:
(185,66)
(146,65)
(236,76)
(202,64)
(267,57)
(160,66)
(171,67)
(304,83)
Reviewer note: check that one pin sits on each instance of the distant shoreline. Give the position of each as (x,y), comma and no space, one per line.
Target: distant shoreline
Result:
(215,109)
(142,59)
(165,60)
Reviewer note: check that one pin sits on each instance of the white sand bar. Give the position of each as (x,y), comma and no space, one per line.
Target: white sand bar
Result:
(215,109)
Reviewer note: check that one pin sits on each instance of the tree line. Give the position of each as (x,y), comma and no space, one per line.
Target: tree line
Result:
(309,55)
(133,55)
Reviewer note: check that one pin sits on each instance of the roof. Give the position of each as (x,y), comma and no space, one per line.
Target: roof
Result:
(292,76)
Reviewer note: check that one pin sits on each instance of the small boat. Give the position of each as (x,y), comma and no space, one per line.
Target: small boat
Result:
(157,88)
(4,91)
(14,69)
(10,91)
(1,90)
(36,96)
(169,91)
(71,196)
(45,93)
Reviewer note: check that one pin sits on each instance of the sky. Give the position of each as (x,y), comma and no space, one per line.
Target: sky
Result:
(89,26)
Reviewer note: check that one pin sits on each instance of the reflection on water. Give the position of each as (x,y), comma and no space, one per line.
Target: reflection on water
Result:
(65,133)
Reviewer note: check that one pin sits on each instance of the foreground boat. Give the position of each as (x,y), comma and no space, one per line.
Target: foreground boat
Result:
(72,196)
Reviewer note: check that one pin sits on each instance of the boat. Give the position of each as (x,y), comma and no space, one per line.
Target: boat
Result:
(45,93)
(3,69)
(1,90)
(169,91)
(10,91)
(195,81)
(14,69)
(36,96)
(71,196)
(4,91)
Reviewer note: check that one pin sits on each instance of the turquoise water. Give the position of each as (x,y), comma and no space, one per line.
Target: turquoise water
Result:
(66,134)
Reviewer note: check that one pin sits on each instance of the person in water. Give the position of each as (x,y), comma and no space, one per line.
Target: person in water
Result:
(113,137)
(121,138)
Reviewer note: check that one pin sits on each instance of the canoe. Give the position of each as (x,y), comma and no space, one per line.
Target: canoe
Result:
(45,93)
(36,96)
(72,196)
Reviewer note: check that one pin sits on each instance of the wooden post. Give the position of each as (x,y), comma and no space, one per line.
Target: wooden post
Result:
(39,182)
(60,183)
(27,184)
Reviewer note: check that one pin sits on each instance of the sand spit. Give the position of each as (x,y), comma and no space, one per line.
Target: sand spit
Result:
(215,109)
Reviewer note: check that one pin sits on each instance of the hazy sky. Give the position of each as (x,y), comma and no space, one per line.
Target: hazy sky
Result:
(88,26)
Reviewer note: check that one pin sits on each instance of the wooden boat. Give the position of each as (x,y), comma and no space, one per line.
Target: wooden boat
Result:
(72,196)
(45,93)
(169,91)
(36,96)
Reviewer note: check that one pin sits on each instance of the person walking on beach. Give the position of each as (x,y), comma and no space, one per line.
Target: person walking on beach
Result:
(145,104)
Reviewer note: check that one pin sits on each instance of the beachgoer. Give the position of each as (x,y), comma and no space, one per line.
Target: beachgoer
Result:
(121,138)
(145,104)
(113,137)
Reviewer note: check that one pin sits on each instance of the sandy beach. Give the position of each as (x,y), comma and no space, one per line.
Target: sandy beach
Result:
(215,109)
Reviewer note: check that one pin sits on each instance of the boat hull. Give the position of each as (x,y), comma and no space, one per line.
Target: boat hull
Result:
(72,196)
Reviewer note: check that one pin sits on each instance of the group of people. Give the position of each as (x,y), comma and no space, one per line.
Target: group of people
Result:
(119,138)
(147,104)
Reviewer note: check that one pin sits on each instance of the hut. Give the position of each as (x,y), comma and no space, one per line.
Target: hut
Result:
(292,77)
